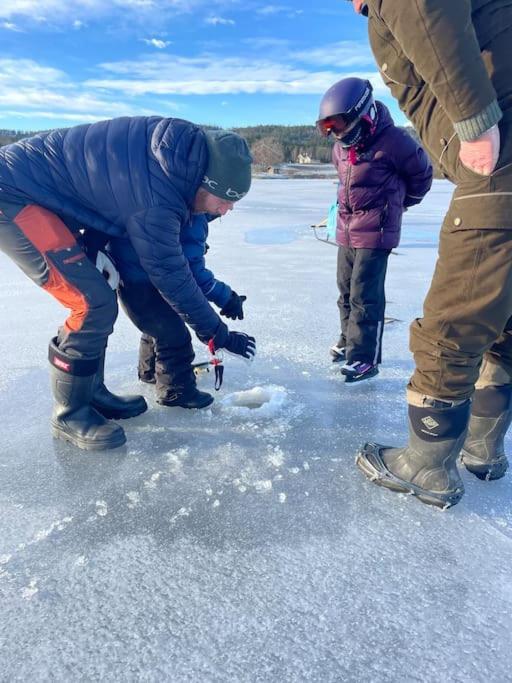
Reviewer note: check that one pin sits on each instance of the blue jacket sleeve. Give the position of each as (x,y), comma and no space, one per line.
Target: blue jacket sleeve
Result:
(155,236)
(193,241)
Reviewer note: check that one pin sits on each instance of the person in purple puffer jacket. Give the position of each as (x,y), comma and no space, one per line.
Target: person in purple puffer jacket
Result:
(382,172)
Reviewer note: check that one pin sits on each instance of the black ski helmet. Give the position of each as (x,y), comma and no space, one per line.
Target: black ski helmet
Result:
(343,106)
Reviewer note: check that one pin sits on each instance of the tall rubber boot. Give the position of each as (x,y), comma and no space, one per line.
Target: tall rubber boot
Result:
(427,466)
(73,418)
(483,452)
(110,405)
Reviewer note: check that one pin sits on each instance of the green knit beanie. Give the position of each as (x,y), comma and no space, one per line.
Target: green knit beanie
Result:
(228,174)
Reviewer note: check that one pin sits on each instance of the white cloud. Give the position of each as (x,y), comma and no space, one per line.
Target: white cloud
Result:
(31,90)
(219,21)
(210,75)
(343,54)
(9,26)
(60,11)
(156,42)
(78,24)
(272,9)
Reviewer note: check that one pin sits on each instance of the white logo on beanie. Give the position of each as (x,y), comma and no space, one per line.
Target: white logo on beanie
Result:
(211,183)
(233,194)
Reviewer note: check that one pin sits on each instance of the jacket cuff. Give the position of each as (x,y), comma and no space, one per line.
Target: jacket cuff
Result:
(472,128)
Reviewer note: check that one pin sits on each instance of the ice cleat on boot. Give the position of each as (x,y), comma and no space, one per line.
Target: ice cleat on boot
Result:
(427,466)
(112,406)
(483,452)
(73,417)
(358,371)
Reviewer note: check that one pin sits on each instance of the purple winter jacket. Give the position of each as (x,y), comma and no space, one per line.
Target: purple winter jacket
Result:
(391,173)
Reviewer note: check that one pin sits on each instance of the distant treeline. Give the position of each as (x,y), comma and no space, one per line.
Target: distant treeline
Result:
(270,145)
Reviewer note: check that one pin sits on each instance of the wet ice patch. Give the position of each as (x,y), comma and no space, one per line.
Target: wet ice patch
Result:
(265,401)
(273,235)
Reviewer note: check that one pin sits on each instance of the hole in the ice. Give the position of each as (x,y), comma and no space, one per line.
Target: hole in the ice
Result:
(250,399)
(255,398)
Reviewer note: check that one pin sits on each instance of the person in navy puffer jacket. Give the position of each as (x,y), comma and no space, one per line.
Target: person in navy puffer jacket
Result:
(165,352)
(137,178)
(382,172)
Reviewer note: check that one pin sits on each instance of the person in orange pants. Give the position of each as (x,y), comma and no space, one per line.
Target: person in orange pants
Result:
(135,178)
(39,242)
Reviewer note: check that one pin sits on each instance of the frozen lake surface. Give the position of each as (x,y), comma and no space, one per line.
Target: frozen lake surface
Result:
(241,543)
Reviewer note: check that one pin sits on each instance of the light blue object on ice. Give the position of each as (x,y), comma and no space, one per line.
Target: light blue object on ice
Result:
(331,221)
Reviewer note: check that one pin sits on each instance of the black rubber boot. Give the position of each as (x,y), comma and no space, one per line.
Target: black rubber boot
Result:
(187,396)
(483,452)
(175,377)
(110,405)
(73,418)
(146,367)
(427,466)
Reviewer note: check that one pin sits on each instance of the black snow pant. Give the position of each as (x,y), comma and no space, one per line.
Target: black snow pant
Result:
(48,253)
(361,274)
(166,345)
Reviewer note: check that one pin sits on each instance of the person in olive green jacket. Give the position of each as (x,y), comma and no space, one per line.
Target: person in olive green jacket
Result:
(449,66)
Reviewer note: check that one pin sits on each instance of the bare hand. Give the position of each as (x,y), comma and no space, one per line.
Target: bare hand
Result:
(481,155)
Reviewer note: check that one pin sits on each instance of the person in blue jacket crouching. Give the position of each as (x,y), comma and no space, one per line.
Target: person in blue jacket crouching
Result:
(137,178)
(165,352)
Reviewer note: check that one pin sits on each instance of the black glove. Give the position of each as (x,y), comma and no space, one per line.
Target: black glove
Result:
(239,343)
(233,309)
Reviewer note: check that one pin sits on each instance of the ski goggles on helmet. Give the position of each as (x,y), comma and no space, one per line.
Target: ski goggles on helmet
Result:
(337,124)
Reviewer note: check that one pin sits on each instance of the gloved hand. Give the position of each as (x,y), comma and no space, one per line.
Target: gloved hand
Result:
(106,266)
(481,155)
(233,309)
(241,344)
(238,343)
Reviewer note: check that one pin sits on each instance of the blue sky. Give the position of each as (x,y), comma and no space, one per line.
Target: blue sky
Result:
(224,62)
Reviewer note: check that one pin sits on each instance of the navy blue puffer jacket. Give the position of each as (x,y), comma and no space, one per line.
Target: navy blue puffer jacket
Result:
(132,177)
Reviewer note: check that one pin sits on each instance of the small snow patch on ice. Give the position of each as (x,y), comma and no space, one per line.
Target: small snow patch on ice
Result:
(282,497)
(276,458)
(4,559)
(182,512)
(133,498)
(263,485)
(81,561)
(29,591)
(59,525)
(153,480)
(101,508)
